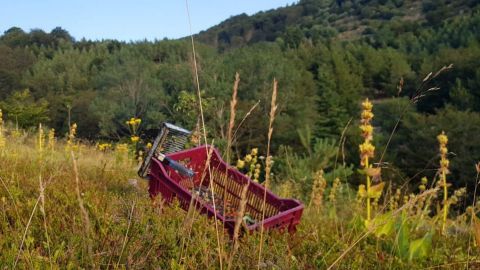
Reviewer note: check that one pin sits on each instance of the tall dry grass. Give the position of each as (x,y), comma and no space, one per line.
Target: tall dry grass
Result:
(268,164)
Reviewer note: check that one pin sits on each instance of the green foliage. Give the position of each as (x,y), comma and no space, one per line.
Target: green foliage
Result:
(420,248)
(321,154)
(415,141)
(21,108)
(402,242)
(398,229)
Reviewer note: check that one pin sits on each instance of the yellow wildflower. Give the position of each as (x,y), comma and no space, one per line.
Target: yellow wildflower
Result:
(442,139)
(362,192)
(51,139)
(444,163)
(319,184)
(367,105)
(367,131)
(367,150)
(240,164)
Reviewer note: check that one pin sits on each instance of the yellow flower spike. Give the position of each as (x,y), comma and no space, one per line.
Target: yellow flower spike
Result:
(138,121)
(51,139)
(254,151)
(444,164)
(318,189)
(41,138)
(149,145)
(71,138)
(367,150)
(134,139)
(248,158)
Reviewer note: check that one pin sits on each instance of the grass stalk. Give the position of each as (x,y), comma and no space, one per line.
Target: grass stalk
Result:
(83,211)
(42,210)
(238,223)
(477,167)
(268,165)
(25,232)
(197,81)
(130,217)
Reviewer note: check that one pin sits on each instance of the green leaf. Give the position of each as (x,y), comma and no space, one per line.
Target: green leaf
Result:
(420,248)
(384,224)
(403,240)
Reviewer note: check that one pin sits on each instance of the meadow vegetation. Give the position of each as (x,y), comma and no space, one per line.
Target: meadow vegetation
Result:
(389,181)
(71,203)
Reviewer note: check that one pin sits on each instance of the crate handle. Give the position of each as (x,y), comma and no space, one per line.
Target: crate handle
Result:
(178,167)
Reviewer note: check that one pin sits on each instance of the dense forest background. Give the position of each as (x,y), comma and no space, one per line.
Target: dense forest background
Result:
(327,56)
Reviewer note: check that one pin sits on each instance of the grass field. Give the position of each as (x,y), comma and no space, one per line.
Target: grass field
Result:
(96,213)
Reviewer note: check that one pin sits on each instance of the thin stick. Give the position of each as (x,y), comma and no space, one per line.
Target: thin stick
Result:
(190,218)
(477,167)
(238,223)
(419,93)
(244,118)
(42,210)
(25,232)
(86,219)
(231,124)
(203,125)
(11,197)
(268,167)
(126,234)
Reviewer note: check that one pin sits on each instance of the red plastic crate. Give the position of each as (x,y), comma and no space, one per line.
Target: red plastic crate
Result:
(279,213)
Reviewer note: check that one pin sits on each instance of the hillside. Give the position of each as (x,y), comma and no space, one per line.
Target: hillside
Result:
(317,20)
(368,112)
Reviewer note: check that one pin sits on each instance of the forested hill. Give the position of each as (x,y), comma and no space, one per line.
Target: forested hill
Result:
(326,55)
(318,20)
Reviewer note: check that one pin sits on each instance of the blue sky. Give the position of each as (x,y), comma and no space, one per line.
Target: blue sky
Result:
(126,20)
